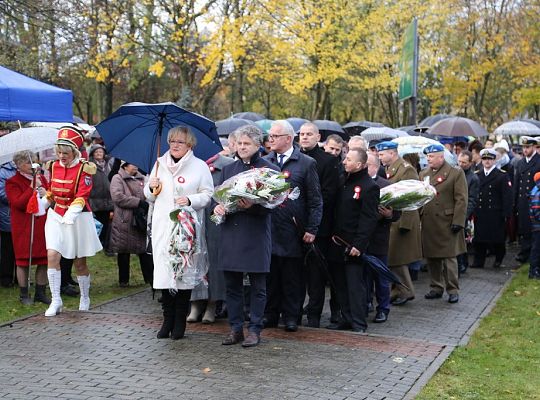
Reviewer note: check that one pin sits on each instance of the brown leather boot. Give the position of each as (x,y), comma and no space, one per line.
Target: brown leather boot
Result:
(233,338)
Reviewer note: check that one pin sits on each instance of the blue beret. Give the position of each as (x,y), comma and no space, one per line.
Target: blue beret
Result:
(386,146)
(447,140)
(433,148)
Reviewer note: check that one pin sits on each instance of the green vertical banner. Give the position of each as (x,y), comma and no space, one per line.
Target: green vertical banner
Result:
(408,63)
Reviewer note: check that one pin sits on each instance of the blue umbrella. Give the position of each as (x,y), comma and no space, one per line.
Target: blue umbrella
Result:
(134,132)
(229,125)
(252,116)
(296,123)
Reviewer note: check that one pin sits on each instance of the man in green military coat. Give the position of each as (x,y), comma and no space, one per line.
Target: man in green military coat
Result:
(405,243)
(443,220)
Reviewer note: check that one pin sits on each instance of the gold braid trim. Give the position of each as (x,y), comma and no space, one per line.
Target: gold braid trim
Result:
(89,167)
(79,201)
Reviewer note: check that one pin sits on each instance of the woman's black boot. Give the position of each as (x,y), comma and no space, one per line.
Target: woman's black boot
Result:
(168,314)
(181,311)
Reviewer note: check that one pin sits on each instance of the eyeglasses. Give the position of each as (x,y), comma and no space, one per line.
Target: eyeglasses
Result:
(177,142)
(274,137)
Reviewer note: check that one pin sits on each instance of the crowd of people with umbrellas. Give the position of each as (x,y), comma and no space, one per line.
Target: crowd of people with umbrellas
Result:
(154,168)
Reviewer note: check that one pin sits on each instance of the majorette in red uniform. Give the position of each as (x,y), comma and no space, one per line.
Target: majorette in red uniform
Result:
(70,229)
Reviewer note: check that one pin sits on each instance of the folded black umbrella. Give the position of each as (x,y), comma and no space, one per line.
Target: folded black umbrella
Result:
(375,264)
(314,254)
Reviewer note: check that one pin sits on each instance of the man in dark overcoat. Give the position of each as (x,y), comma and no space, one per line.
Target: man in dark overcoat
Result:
(378,245)
(356,218)
(405,241)
(523,184)
(286,283)
(443,219)
(328,172)
(493,208)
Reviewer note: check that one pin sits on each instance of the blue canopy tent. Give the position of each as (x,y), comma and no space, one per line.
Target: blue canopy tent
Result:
(26,99)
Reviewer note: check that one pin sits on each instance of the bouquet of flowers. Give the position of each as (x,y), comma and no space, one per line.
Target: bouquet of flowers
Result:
(185,245)
(407,195)
(262,186)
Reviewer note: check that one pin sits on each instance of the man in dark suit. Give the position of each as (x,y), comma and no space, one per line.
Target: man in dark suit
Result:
(327,170)
(286,286)
(523,184)
(356,217)
(378,244)
(493,208)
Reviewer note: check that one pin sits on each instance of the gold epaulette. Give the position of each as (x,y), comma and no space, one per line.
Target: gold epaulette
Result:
(89,167)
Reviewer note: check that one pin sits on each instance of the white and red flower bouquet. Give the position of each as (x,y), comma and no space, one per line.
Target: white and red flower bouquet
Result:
(262,186)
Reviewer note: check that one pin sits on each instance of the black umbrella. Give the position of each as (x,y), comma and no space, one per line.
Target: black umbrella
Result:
(429,121)
(357,127)
(373,262)
(229,125)
(314,254)
(327,128)
(252,116)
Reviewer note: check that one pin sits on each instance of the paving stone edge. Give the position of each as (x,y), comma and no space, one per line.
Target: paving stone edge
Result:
(25,317)
(445,353)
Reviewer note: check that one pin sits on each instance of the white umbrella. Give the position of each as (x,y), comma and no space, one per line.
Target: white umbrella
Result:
(34,139)
(416,144)
(58,125)
(382,132)
(517,128)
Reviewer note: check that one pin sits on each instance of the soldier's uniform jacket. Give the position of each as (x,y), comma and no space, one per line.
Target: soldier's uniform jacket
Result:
(523,184)
(70,185)
(406,247)
(449,207)
(493,207)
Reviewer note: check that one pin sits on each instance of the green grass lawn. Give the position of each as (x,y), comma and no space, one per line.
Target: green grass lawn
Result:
(104,287)
(502,359)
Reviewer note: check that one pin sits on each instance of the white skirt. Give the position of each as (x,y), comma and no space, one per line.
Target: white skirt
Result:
(72,241)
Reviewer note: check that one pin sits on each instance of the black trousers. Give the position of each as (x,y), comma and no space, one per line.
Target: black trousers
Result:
(350,283)
(525,243)
(480,251)
(234,284)
(285,289)
(7,259)
(147,267)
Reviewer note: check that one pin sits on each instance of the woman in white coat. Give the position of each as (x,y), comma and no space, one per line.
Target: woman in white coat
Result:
(182,180)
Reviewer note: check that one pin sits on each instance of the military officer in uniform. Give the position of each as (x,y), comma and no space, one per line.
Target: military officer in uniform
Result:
(493,208)
(70,230)
(523,184)
(443,219)
(405,241)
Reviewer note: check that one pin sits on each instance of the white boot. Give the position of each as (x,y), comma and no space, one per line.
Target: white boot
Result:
(209,316)
(196,310)
(54,284)
(84,286)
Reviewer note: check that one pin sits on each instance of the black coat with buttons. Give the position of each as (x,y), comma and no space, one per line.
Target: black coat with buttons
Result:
(523,184)
(493,207)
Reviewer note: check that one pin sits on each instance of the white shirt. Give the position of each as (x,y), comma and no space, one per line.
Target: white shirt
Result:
(287,155)
(487,171)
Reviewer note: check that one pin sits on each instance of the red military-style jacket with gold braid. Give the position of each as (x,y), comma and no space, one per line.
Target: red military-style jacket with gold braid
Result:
(70,185)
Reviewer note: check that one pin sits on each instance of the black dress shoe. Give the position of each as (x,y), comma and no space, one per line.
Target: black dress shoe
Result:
(69,290)
(269,323)
(291,326)
(400,301)
(340,326)
(380,317)
(359,330)
(72,282)
(313,322)
(433,295)
(233,338)
(453,298)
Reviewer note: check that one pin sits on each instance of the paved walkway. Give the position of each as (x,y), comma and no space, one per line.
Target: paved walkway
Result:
(112,352)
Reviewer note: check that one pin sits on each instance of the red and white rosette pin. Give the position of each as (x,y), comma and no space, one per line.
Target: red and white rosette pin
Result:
(286,174)
(211,168)
(357,190)
(440,179)
(181,179)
